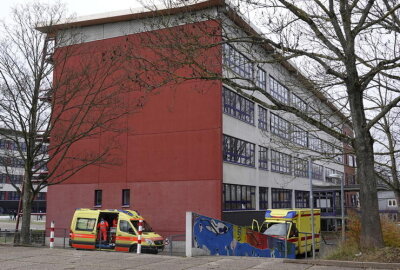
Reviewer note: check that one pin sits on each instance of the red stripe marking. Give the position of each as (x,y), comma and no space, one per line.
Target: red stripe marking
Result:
(83,246)
(92,236)
(121,249)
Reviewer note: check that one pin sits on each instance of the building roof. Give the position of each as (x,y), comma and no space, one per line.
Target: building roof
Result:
(230,11)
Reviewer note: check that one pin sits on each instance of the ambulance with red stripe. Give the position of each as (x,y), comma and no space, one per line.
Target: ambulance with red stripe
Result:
(293,225)
(122,231)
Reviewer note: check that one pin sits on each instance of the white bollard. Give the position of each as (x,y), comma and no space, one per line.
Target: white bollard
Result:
(139,245)
(52,234)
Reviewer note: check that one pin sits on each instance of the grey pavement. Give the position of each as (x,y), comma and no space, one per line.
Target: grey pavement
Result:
(46,258)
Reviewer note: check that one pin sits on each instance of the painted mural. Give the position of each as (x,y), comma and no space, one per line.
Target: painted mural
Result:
(222,238)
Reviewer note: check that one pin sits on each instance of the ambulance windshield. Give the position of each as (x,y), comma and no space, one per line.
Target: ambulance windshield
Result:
(277,229)
(145,227)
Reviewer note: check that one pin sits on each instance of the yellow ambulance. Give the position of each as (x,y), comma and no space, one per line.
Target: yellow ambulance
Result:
(293,225)
(119,234)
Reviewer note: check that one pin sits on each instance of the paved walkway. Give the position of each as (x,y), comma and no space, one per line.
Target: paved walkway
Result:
(45,258)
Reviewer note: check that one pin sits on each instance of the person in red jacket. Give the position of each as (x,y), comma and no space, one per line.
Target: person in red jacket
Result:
(103,226)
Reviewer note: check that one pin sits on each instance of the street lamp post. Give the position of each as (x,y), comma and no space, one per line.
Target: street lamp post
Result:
(337,176)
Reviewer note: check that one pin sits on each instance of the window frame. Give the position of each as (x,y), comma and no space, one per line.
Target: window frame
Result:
(281,162)
(98,197)
(235,201)
(233,156)
(263,158)
(277,193)
(278,90)
(237,106)
(279,126)
(297,167)
(126,197)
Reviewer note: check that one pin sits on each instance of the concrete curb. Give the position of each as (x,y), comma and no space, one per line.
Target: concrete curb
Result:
(374,265)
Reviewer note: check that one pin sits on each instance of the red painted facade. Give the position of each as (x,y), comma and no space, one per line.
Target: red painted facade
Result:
(170,159)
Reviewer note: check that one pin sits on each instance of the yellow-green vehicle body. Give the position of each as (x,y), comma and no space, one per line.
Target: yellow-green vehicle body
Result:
(122,234)
(294,225)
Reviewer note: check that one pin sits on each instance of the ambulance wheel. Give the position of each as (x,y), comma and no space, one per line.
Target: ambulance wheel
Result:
(133,248)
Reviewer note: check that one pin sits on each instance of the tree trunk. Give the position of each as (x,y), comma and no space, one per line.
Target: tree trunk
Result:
(397,196)
(26,213)
(371,232)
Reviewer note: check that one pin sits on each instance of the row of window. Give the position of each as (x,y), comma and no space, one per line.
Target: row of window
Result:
(6,144)
(98,197)
(243,109)
(242,152)
(243,66)
(11,178)
(243,197)
(14,196)
(12,162)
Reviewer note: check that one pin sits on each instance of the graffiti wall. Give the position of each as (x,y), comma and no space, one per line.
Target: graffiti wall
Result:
(221,238)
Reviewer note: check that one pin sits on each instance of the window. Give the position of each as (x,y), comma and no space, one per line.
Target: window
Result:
(98,197)
(262,118)
(300,167)
(126,197)
(351,160)
(317,172)
(11,162)
(124,226)
(261,78)
(392,203)
(85,224)
(281,198)
(327,148)
(314,114)
(2,195)
(298,103)
(239,197)
(237,62)
(278,91)
(328,172)
(299,136)
(13,196)
(41,196)
(280,126)
(338,155)
(263,158)
(350,179)
(237,106)
(281,162)
(314,143)
(263,192)
(238,151)
(302,199)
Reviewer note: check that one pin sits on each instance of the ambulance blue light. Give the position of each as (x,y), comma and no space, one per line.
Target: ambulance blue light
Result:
(268,214)
(291,214)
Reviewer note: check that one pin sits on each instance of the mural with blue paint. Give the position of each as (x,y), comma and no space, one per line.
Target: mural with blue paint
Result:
(222,238)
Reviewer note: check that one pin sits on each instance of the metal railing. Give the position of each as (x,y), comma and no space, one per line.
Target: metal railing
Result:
(171,243)
(12,237)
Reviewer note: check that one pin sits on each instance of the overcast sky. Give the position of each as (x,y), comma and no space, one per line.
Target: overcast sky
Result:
(79,7)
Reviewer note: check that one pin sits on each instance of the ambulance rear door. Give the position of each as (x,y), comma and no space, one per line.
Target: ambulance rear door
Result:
(83,234)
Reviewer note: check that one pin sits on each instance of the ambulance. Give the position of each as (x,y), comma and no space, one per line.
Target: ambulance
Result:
(122,231)
(294,225)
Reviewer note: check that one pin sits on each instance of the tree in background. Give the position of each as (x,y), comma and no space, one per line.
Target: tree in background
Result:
(88,89)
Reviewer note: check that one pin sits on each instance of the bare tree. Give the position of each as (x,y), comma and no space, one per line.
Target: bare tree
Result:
(342,46)
(83,97)
(386,133)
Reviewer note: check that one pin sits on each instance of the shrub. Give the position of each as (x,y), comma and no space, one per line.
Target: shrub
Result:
(390,230)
